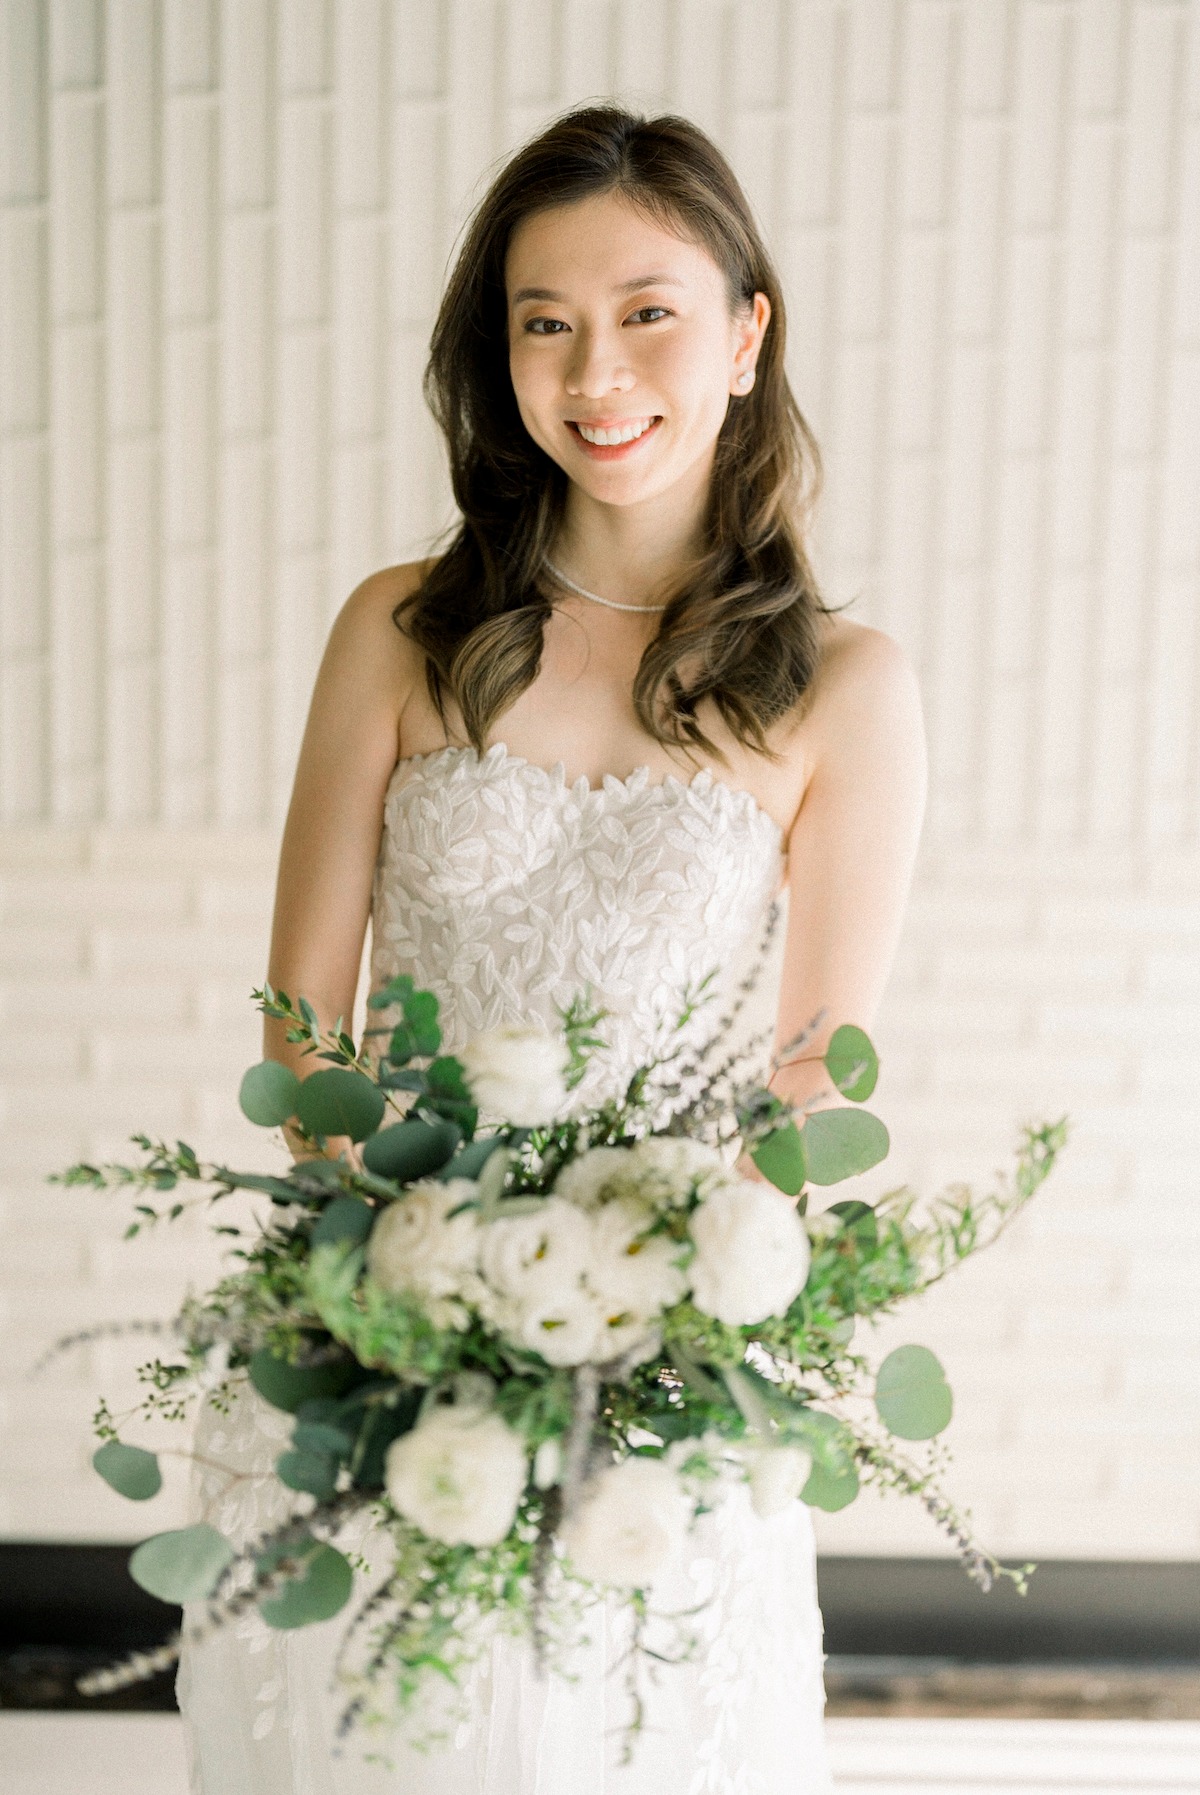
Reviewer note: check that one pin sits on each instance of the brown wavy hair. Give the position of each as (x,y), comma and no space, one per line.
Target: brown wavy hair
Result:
(740,625)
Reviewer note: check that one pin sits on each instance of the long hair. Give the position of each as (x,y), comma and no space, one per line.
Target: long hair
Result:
(742,619)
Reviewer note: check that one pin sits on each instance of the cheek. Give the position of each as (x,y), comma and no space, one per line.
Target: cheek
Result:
(694,372)
(532,383)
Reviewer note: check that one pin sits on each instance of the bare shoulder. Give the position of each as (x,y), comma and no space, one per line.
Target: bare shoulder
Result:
(368,612)
(859,661)
(366,638)
(865,682)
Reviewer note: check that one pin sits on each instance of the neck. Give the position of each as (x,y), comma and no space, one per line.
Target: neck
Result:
(629,552)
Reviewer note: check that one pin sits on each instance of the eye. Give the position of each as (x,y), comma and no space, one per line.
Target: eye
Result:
(660,309)
(544,327)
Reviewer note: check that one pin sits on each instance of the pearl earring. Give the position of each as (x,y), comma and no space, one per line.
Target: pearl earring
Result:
(746,380)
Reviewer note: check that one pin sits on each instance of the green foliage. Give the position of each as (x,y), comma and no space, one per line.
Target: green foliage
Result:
(840,1143)
(346,1218)
(911,1393)
(340,1101)
(184,1565)
(354,1363)
(418,1034)
(780,1157)
(852,1062)
(268,1093)
(285,1386)
(129,1470)
(318,1587)
(470,1160)
(313,1471)
(447,1094)
(580,1020)
(833,1481)
(412,1149)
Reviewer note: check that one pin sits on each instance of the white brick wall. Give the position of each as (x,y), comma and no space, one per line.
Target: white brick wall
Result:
(223,231)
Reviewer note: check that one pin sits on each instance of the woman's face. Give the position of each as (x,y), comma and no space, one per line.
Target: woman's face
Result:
(622,348)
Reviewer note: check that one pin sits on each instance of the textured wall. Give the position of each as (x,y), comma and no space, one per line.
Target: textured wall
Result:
(223,234)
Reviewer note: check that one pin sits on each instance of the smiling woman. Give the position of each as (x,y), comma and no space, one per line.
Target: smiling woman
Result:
(611,298)
(627,594)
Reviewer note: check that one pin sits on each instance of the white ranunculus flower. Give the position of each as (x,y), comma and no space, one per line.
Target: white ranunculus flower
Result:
(634,1275)
(458,1475)
(666,1168)
(550,1246)
(752,1253)
(563,1323)
(583,1181)
(517,1072)
(418,1248)
(776,1475)
(534,1268)
(629,1521)
(548,1464)
(660,1172)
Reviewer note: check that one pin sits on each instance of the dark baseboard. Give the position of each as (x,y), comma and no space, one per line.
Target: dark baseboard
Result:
(65,1609)
(1075,1611)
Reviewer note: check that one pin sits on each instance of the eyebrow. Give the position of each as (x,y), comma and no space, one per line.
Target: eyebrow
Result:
(626,286)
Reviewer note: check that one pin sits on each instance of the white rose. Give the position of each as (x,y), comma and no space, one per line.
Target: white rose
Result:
(458,1475)
(776,1475)
(516,1072)
(630,1520)
(752,1253)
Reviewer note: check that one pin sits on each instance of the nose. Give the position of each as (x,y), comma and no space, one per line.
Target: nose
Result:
(595,366)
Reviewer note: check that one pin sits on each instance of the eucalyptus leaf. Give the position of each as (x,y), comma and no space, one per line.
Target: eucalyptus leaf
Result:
(833,1481)
(320,1588)
(852,1062)
(912,1395)
(470,1160)
(858,1219)
(780,1157)
(383,1422)
(183,1565)
(828,1489)
(412,1149)
(268,1093)
(346,1218)
(130,1470)
(322,1436)
(315,1472)
(840,1143)
(286,1386)
(339,1101)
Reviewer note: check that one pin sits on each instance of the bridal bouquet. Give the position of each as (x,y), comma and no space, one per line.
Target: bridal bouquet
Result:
(530,1341)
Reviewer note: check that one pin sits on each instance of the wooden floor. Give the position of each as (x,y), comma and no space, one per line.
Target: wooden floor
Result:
(142,1754)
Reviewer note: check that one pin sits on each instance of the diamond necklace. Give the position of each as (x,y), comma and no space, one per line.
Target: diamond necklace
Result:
(595,596)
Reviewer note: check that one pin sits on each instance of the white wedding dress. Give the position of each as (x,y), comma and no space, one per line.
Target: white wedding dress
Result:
(506,890)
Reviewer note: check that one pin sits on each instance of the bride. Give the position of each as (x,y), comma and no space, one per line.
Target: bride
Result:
(591,744)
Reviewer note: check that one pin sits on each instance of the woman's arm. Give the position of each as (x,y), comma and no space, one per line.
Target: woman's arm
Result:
(851,848)
(335,819)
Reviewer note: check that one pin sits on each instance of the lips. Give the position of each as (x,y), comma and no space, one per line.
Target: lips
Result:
(612,430)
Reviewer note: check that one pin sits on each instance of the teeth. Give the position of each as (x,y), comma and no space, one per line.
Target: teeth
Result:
(625,433)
